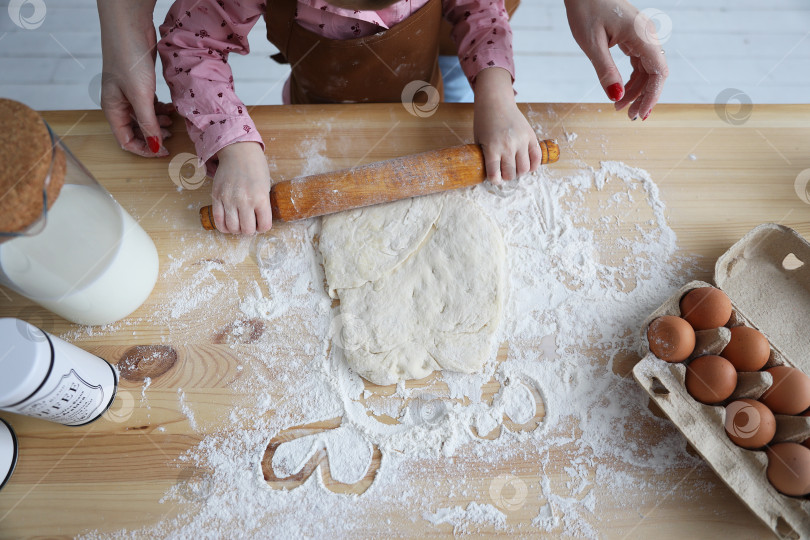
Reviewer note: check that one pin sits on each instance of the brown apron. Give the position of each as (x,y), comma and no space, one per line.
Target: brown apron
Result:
(371,69)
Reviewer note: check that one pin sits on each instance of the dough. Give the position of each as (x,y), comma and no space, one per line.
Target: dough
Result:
(421,286)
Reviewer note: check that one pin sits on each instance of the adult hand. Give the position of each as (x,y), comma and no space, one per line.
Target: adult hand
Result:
(598,25)
(128,83)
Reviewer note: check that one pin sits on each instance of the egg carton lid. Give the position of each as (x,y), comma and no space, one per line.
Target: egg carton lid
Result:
(8,452)
(767,277)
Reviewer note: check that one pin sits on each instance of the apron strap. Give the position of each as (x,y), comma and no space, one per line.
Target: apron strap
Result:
(280,20)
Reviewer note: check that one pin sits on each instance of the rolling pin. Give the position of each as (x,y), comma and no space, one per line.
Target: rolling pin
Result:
(381,182)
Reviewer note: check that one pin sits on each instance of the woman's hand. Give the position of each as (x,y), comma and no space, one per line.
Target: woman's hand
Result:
(128,83)
(241,190)
(509,143)
(598,25)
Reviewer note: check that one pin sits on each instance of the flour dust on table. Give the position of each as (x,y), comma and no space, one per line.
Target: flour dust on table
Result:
(541,440)
(421,286)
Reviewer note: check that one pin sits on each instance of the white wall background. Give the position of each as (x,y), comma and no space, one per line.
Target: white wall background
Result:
(761,48)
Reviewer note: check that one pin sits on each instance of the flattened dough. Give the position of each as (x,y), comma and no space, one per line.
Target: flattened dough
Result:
(421,286)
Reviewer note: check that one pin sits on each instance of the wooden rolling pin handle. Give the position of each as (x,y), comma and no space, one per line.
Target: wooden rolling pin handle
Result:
(386,181)
(207,218)
(550,150)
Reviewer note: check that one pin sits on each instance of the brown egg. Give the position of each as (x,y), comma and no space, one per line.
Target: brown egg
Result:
(705,308)
(671,338)
(790,391)
(748,349)
(749,423)
(789,468)
(710,379)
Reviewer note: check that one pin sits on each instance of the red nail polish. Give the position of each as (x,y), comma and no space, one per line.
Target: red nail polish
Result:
(645,117)
(615,91)
(154,144)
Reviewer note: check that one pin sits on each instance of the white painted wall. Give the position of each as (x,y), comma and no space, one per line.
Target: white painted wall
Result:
(761,48)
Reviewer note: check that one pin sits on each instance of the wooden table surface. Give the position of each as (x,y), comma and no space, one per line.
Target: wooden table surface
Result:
(717,179)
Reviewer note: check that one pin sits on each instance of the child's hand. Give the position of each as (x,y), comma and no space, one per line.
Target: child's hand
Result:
(598,25)
(242,190)
(509,143)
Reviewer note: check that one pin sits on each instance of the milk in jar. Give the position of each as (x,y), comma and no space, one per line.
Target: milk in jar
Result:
(84,258)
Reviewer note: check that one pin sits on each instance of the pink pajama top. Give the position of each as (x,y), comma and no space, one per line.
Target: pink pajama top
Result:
(198,35)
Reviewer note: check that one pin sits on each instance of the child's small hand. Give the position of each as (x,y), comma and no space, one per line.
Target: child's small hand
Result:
(509,143)
(241,190)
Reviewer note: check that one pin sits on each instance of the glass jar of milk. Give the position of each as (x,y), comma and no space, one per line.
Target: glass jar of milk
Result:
(84,257)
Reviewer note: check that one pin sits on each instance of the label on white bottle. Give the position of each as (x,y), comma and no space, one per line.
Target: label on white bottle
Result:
(77,390)
(72,401)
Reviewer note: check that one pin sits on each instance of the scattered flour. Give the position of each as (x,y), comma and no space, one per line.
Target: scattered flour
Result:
(468,520)
(312,150)
(577,297)
(186,410)
(255,305)
(146,382)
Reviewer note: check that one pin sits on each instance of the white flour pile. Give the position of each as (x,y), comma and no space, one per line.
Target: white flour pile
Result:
(576,301)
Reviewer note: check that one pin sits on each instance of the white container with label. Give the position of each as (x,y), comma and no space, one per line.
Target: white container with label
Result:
(8,452)
(48,378)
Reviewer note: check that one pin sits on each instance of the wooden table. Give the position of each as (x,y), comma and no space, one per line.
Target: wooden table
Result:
(111,475)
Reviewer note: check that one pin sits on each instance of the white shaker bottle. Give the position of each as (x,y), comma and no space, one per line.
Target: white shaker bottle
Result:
(65,243)
(46,377)
(8,452)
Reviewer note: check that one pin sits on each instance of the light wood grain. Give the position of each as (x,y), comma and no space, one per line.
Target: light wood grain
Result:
(112,474)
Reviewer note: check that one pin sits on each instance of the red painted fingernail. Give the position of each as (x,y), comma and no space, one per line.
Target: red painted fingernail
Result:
(154,144)
(615,91)
(645,117)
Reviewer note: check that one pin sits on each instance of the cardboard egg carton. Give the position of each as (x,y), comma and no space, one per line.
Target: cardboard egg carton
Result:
(767,277)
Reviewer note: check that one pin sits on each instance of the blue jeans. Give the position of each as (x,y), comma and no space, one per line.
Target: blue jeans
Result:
(456,87)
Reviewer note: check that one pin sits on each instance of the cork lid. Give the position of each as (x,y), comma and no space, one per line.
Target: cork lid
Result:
(33,168)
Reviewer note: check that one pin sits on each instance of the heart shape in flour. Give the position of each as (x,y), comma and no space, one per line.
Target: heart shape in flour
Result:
(519,405)
(348,461)
(349,454)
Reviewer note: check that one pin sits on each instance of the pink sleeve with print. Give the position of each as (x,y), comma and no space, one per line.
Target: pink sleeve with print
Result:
(196,38)
(482,34)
